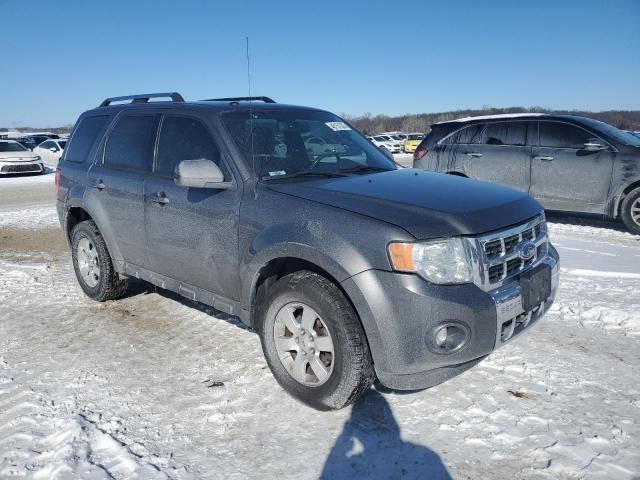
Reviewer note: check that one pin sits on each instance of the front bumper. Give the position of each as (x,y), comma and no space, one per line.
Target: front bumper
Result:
(399,312)
(8,167)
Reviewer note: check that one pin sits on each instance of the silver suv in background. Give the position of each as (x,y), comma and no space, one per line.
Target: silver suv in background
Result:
(568,163)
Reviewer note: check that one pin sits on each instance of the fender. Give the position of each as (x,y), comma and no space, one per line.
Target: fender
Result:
(287,249)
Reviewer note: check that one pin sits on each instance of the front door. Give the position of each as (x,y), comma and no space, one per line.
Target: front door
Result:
(192,233)
(564,176)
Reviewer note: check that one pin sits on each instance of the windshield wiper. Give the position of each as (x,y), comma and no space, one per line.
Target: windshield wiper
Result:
(365,169)
(303,174)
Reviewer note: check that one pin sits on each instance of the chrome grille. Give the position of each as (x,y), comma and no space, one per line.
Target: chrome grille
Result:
(501,252)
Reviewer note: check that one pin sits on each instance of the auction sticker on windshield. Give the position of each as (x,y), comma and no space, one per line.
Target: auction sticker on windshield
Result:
(337,126)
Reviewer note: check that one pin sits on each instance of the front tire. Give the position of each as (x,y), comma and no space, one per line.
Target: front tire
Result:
(631,211)
(92,264)
(314,343)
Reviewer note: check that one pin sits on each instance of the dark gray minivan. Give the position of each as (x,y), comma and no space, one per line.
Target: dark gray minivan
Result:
(568,163)
(349,267)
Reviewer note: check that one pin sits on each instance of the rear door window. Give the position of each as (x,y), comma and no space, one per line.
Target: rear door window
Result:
(563,135)
(130,144)
(185,138)
(84,136)
(505,133)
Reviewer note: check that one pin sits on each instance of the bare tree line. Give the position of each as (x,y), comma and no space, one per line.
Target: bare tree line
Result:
(371,124)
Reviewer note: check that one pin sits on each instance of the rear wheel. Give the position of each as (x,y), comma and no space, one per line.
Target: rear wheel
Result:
(631,211)
(92,264)
(314,343)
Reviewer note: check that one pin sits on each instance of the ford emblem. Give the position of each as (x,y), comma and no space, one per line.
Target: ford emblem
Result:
(527,251)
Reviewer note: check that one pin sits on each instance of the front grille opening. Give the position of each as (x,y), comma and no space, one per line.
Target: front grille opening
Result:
(530,234)
(493,249)
(496,272)
(514,265)
(510,243)
(538,230)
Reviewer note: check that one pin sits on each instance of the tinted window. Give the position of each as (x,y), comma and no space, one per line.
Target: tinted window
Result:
(47,144)
(183,138)
(84,136)
(505,133)
(468,134)
(563,135)
(62,144)
(130,144)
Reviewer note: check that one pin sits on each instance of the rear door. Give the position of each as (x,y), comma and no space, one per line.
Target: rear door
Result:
(501,155)
(115,189)
(564,176)
(192,233)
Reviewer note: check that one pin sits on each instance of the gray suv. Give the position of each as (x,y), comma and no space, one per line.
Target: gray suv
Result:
(568,163)
(349,267)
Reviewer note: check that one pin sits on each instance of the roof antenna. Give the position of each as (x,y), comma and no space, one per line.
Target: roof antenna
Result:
(253,155)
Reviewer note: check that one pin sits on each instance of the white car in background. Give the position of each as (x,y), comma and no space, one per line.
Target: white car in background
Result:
(394,146)
(50,151)
(15,158)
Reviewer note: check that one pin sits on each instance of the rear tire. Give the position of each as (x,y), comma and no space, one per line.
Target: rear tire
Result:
(314,343)
(630,211)
(92,264)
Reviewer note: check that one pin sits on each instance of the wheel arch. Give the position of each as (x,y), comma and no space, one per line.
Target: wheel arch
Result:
(277,267)
(76,213)
(620,195)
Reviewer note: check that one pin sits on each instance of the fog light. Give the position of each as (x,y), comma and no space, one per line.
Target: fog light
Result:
(447,337)
(441,336)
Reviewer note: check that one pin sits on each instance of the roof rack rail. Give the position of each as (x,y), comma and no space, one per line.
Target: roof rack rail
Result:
(143,98)
(241,99)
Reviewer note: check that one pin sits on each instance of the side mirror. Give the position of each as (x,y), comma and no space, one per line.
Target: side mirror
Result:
(200,173)
(592,146)
(53,149)
(386,152)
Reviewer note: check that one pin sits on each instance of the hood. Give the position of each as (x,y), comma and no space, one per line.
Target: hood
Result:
(426,204)
(26,156)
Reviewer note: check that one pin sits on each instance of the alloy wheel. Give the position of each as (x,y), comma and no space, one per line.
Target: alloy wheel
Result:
(304,344)
(88,263)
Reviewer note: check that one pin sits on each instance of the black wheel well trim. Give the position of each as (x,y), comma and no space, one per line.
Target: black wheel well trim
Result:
(457,174)
(278,267)
(73,216)
(621,194)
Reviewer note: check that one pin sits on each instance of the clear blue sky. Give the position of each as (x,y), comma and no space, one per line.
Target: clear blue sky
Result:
(61,58)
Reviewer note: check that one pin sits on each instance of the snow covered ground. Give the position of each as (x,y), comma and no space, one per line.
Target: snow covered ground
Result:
(155,386)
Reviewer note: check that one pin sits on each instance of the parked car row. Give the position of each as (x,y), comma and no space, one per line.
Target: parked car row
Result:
(16,158)
(567,163)
(397,142)
(43,150)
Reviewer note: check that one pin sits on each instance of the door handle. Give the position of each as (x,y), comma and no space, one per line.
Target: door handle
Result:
(98,185)
(473,154)
(160,198)
(543,158)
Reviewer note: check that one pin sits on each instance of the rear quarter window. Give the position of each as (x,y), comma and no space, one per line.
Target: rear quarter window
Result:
(83,138)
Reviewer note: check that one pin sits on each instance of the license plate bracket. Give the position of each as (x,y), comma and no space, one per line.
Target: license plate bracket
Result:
(536,286)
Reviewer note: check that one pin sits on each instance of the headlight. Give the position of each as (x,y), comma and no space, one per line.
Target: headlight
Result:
(444,261)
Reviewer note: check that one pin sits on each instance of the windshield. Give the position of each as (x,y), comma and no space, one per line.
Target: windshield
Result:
(296,141)
(11,147)
(613,132)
